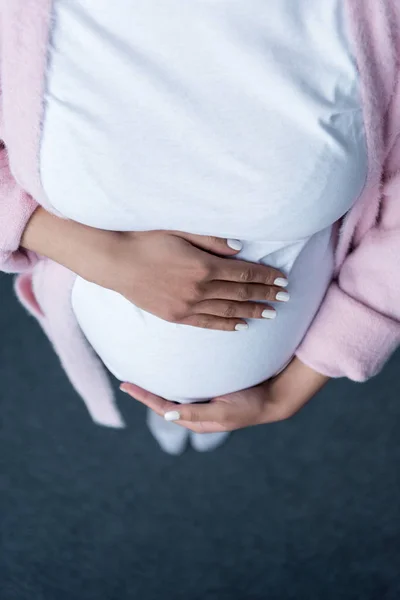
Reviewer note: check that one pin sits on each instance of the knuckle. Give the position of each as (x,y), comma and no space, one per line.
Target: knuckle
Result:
(268,276)
(168,315)
(229,310)
(193,321)
(269,293)
(244,293)
(202,270)
(247,275)
(171,317)
(195,293)
(191,415)
(206,322)
(184,310)
(211,270)
(175,315)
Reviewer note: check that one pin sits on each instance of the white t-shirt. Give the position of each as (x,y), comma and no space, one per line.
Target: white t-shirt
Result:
(235,118)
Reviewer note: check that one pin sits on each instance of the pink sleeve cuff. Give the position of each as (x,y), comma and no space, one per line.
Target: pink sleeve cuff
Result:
(348,339)
(16,208)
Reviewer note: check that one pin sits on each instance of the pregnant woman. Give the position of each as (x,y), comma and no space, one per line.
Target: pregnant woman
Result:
(221,180)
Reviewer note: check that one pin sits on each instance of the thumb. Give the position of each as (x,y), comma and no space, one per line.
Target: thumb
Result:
(215,245)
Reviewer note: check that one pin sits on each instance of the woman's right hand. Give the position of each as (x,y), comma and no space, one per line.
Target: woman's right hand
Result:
(179,277)
(189,279)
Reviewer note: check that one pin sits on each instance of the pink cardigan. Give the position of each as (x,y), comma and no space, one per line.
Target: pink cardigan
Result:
(358,325)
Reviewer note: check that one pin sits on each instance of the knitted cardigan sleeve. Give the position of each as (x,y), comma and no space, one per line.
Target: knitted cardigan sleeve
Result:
(16,208)
(358,325)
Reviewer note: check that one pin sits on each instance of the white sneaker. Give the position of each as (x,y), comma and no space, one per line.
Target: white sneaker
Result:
(171,437)
(205,442)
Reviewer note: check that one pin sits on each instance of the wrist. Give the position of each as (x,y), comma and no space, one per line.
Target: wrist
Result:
(80,248)
(298,380)
(293,387)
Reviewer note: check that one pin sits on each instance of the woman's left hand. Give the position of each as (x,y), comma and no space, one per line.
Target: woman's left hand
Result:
(274,400)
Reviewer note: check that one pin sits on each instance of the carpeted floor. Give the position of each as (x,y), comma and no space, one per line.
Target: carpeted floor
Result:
(308,509)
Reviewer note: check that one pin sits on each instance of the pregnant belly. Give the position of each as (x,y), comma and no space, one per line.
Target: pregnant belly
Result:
(184,363)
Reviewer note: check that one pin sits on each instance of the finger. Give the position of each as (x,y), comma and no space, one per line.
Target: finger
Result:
(229,309)
(215,245)
(191,416)
(207,427)
(247,272)
(204,321)
(226,290)
(199,413)
(156,403)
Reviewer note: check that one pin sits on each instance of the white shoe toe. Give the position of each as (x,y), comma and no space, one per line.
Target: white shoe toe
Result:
(171,437)
(205,442)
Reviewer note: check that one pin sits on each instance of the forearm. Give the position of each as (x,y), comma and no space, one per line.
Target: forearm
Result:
(67,242)
(289,391)
(299,381)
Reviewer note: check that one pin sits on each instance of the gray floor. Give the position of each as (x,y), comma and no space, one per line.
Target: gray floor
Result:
(307,509)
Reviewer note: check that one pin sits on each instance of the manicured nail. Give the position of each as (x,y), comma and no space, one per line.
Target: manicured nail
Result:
(173,415)
(281,282)
(268,314)
(235,244)
(241,326)
(283,296)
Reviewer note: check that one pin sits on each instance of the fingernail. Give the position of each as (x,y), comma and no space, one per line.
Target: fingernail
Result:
(268,314)
(241,326)
(283,296)
(235,244)
(281,282)
(173,415)
(123,390)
